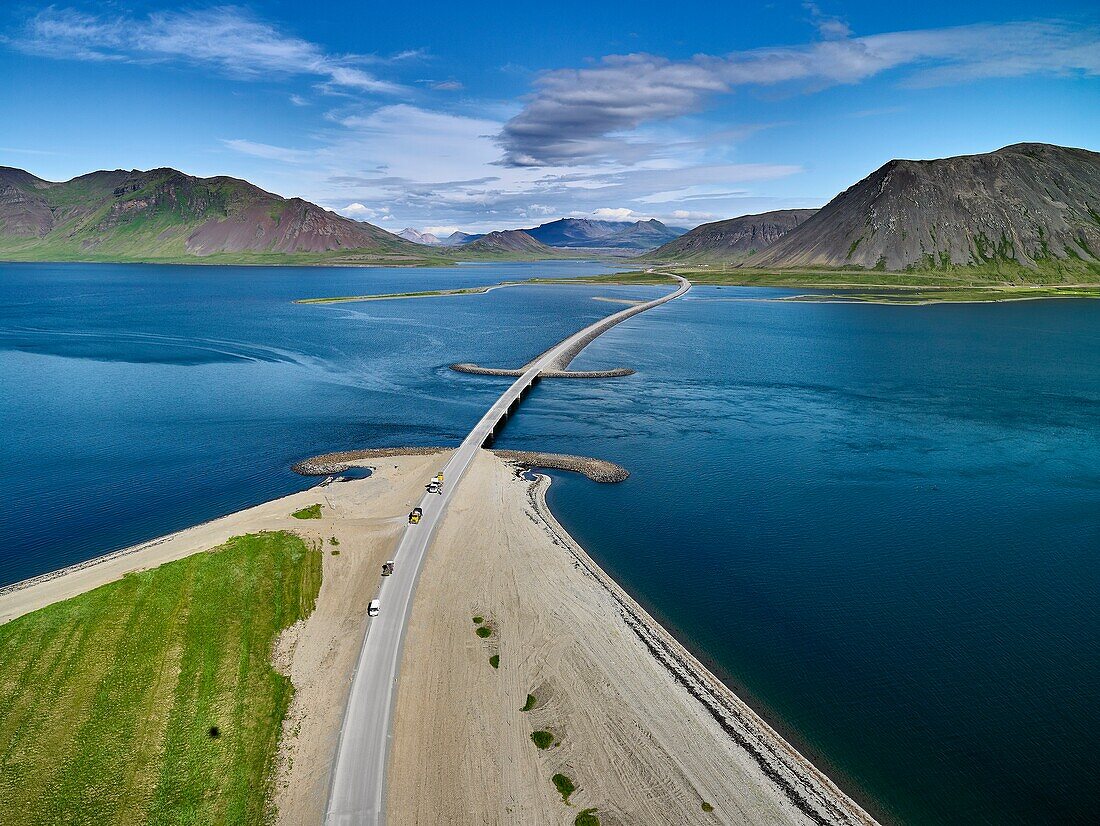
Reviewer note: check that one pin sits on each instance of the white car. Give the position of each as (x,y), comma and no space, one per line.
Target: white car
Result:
(373,608)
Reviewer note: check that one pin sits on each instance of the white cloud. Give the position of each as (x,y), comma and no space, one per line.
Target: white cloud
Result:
(689,216)
(361,212)
(228,39)
(618,214)
(580,116)
(267,151)
(439,169)
(828,26)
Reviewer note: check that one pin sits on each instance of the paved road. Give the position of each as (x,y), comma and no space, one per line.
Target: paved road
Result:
(357,793)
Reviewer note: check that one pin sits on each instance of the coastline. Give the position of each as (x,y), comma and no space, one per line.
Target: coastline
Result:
(645,732)
(810,789)
(709,733)
(27,595)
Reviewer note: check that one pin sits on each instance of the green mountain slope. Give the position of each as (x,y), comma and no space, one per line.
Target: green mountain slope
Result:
(166,215)
(731,240)
(1028,212)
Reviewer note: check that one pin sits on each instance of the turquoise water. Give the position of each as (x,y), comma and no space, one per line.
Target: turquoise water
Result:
(880,524)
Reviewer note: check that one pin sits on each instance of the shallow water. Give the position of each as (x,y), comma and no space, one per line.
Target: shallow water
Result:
(879,523)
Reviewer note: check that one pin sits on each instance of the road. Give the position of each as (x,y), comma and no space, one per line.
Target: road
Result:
(358,789)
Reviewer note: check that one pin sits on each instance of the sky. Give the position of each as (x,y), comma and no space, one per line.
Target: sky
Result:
(446,116)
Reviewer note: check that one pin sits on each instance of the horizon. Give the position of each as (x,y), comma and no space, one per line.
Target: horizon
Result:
(413,121)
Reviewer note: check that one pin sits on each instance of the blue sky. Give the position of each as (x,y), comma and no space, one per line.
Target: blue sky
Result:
(497,115)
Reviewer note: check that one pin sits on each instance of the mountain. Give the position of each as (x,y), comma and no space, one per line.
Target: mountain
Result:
(457,239)
(584,233)
(418,237)
(644,235)
(1029,206)
(164,214)
(573,232)
(731,240)
(510,241)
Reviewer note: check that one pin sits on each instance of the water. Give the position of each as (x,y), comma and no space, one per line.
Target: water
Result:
(138,400)
(879,524)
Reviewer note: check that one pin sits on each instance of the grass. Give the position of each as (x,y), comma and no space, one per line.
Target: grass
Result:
(916,295)
(542,739)
(494,661)
(310,512)
(153,699)
(586,817)
(564,786)
(484,632)
(343,299)
(530,704)
(943,284)
(707,807)
(479,620)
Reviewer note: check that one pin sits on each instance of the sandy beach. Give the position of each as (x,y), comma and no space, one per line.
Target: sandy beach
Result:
(640,728)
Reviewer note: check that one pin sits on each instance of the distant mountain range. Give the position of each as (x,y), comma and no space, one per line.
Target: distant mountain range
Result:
(584,233)
(509,241)
(732,240)
(417,237)
(164,214)
(457,238)
(576,233)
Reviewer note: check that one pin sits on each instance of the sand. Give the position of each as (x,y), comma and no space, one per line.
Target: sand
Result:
(642,730)
(639,745)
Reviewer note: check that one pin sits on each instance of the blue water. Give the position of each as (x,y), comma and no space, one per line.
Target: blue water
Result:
(880,524)
(139,400)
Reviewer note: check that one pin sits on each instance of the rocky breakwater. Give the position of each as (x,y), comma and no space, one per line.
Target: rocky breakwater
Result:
(598,470)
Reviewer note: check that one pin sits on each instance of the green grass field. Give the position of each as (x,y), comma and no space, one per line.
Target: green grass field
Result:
(309,512)
(862,285)
(109,701)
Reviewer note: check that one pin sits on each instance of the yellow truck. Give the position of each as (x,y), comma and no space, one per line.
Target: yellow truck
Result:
(414,517)
(439,477)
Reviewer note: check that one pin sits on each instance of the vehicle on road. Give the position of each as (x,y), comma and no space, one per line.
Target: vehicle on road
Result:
(414,517)
(387,568)
(374,607)
(439,477)
(435,487)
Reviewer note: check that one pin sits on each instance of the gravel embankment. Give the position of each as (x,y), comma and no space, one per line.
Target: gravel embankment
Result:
(598,470)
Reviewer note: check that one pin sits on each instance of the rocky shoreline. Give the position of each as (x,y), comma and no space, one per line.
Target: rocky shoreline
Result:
(803,784)
(598,470)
